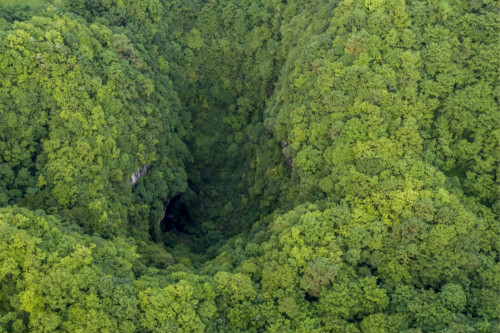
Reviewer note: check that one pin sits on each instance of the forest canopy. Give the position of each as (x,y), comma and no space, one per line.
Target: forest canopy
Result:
(249,166)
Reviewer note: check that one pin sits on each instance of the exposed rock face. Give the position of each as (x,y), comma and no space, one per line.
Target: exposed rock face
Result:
(138,174)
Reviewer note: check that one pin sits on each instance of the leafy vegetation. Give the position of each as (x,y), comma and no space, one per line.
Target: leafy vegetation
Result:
(242,166)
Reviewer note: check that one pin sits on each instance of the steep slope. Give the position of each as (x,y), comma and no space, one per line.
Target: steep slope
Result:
(319,166)
(82,112)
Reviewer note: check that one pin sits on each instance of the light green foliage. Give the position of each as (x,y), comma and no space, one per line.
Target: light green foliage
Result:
(174,308)
(337,165)
(54,279)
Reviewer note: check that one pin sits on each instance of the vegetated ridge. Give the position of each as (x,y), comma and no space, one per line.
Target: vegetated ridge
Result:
(242,166)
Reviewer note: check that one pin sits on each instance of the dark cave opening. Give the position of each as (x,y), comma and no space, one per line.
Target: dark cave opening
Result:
(180,227)
(177,217)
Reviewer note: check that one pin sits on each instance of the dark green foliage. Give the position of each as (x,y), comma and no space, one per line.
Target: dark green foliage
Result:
(301,166)
(70,93)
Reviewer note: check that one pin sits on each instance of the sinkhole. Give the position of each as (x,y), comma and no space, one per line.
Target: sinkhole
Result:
(181,227)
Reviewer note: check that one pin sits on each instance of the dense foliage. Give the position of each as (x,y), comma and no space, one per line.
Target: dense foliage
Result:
(242,166)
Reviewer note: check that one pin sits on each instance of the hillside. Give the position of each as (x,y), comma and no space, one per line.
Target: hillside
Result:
(241,166)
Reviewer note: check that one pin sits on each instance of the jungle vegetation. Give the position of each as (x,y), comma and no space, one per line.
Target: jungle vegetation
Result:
(249,166)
